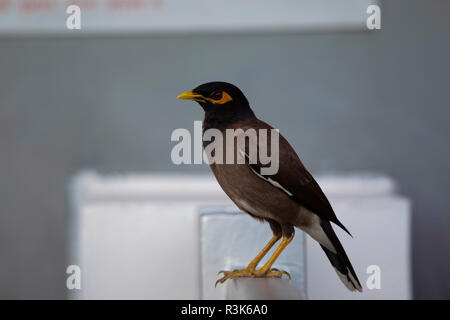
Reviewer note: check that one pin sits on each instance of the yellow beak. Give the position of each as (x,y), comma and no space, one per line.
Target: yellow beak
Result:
(190,95)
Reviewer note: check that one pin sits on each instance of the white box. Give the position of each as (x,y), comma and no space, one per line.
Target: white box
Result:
(138,237)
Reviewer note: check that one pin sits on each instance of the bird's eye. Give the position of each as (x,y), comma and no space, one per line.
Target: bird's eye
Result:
(216,95)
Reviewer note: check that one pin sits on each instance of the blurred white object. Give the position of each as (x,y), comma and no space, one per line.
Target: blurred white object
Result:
(230,240)
(138,236)
(127,251)
(180,16)
(262,289)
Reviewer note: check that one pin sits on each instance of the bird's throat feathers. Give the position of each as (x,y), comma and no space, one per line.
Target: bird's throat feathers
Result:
(223,117)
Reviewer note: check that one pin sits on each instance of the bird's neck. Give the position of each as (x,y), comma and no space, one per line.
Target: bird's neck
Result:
(224,118)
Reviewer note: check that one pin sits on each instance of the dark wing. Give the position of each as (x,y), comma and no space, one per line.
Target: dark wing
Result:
(293,177)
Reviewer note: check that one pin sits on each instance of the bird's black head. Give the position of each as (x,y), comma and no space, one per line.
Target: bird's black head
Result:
(222,101)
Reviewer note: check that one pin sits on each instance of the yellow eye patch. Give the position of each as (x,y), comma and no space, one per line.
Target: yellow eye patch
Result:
(224,99)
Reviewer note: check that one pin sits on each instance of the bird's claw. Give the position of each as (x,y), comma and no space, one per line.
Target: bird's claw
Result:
(275,273)
(233,274)
(272,273)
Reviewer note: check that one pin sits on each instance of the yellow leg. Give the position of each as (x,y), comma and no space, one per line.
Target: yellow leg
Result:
(252,265)
(266,270)
(268,265)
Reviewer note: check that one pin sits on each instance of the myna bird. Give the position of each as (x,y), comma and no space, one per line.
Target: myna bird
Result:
(286,199)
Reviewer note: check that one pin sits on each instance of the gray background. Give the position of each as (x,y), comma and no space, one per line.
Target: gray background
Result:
(346,101)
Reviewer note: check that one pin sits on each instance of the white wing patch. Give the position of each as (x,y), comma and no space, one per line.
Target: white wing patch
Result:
(270,180)
(316,232)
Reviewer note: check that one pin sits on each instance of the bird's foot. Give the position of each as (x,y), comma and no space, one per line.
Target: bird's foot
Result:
(248,273)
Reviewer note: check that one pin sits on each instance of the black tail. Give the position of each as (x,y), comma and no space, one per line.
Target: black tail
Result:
(339,260)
